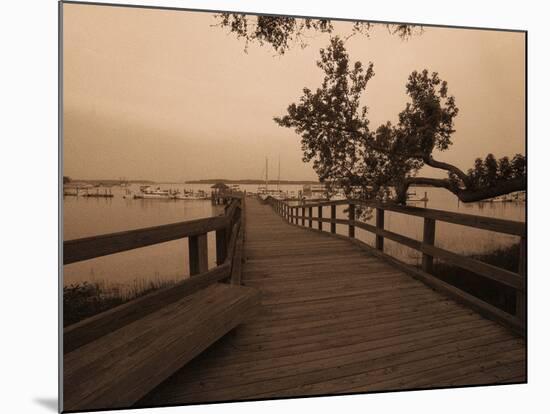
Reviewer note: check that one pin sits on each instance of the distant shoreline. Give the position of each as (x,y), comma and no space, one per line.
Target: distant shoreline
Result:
(110,181)
(271,182)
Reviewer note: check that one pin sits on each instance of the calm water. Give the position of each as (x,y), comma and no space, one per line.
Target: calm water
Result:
(453,237)
(85,217)
(168,261)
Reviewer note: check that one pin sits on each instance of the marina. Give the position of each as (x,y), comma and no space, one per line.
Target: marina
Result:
(83,218)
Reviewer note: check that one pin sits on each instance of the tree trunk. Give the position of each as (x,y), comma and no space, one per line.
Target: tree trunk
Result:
(401,192)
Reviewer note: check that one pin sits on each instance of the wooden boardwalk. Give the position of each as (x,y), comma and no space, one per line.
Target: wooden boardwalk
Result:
(342,322)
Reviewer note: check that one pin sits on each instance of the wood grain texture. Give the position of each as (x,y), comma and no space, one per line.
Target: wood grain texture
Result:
(237,262)
(428,239)
(198,254)
(122,366)
(103,323)
(336,319)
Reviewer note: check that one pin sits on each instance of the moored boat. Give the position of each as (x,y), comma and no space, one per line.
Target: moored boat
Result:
(147,191)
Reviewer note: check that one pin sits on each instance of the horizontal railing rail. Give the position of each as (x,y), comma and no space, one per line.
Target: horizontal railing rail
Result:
(195,230)
(89,329)
(515,228)
(302,215)
(229,229)
(106,244)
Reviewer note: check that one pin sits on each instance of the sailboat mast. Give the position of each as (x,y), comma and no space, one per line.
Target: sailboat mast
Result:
(279,175)
(266,180)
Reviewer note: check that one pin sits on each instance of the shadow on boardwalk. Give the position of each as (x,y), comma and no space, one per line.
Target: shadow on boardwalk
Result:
(336,320)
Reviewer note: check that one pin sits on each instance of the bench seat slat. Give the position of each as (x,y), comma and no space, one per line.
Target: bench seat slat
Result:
(119,368)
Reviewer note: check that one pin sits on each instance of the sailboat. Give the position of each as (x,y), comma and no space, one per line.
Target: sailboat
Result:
(278,194)
(263,190)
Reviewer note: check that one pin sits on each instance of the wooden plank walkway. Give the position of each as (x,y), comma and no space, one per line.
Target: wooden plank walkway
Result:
(333,320)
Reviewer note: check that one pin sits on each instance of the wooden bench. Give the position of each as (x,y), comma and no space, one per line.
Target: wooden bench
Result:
(117,369)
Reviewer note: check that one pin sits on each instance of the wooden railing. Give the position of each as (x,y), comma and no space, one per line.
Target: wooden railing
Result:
(229,229)
(300,214)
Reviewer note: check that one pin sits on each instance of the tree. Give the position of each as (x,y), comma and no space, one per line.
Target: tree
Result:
(336,137)
(283,32)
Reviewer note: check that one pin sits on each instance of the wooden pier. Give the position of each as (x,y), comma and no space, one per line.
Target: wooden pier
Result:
(320,313)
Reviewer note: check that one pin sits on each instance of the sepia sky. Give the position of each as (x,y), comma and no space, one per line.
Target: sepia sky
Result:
(164,95)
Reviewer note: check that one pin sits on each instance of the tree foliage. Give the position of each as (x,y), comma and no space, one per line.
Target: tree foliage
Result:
(490,172)
(282,32)
(336,137)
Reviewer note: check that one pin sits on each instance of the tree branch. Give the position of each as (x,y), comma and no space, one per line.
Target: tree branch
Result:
(428,160)
(432,182)
(470,195)
(500,188)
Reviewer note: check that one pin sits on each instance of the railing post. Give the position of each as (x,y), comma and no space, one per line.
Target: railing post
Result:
(296,215)
(311,217)
(287,212)
(320,216)
(198,254)
(521,310)
(221,246)
(428,239)
(303,216)
(379,244)
(351,213)
(333,218)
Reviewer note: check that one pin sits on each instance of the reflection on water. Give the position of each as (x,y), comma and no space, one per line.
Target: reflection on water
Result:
(85,217)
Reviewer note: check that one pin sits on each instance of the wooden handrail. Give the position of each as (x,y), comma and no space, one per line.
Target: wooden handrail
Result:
(515,228)
(195,230)
(106,244)
(426,246)
(96,246)
(229,233)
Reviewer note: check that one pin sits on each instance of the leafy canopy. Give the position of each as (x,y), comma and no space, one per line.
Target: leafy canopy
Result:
(345,152)
(281,32)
